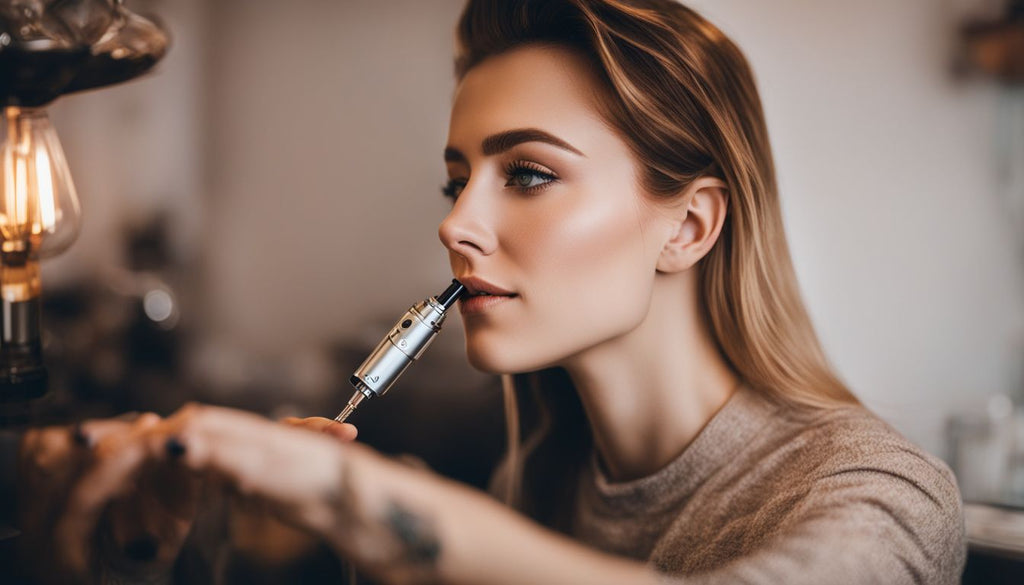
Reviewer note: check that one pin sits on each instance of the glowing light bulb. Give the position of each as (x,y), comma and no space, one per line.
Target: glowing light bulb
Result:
(39,218)
(39,210)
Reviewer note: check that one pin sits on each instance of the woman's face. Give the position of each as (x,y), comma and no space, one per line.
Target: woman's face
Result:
(547,211)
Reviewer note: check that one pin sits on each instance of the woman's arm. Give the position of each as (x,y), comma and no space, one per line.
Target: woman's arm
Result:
(440,530)
(396,523)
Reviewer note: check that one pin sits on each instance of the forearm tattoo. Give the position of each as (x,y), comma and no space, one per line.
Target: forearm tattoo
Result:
(415,534)
(394,538)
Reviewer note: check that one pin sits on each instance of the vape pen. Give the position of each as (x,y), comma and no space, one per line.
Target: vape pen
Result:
(403,345)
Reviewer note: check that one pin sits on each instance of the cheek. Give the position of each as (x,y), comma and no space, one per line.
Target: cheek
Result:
(586,272)
(596,262)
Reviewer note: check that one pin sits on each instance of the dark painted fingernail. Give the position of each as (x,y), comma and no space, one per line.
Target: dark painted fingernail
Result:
(143,548)
(175,448)
(80,437)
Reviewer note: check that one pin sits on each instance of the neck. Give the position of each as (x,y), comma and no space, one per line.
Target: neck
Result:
(648,393)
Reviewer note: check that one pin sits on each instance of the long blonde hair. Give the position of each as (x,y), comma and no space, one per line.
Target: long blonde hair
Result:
(683,97)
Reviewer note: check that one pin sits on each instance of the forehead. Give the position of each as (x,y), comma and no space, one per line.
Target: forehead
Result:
(534,86)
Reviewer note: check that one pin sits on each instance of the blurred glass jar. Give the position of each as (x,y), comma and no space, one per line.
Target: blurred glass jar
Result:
(986,452)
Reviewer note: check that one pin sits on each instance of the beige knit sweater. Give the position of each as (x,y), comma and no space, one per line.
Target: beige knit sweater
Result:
(765,494)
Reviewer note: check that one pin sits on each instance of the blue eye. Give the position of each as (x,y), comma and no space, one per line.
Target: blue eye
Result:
(526,178)
(520,176)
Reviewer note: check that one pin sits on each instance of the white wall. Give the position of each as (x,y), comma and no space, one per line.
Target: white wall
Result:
(321,145)
(328,123)
(910,268)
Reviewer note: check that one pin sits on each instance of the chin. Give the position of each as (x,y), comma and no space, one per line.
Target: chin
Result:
(485,351)
(495,358)
(490,362)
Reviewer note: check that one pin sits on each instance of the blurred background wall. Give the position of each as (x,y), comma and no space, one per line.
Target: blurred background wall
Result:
(294,149)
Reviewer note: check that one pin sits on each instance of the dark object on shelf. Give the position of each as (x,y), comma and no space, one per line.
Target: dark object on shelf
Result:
(997,47)
(985,567)
(50,48)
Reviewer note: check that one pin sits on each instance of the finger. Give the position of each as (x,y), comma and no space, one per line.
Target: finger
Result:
(91,432)
(51,462)
(98,486)
(312,423)
(150,523)
(56,455)
(256,456)
(344,432)
(341,431)
(118,458)
(412,461)
(315,423)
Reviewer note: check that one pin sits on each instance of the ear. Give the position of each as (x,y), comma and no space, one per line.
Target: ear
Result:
(697,222)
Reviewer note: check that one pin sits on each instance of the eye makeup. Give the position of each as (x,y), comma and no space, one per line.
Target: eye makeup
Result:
(521,174)
(524,176)
(452,188)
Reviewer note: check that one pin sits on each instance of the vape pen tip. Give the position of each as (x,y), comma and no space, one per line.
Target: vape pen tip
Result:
(451,294)
(344,414)
(353,403)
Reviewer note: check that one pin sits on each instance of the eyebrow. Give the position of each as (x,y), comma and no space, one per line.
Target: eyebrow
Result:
(498,143)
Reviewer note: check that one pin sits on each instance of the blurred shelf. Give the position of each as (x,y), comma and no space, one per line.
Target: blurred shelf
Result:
(996,529)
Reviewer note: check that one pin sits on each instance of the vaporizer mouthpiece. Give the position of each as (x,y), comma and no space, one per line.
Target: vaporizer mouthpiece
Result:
(451,294)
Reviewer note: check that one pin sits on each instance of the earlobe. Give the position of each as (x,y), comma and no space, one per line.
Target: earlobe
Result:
(699,222)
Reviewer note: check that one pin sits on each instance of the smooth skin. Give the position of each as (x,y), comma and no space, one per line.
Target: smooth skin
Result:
(603,270)
(605,286)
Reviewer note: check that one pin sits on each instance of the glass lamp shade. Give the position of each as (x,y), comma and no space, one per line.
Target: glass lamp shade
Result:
(39,209)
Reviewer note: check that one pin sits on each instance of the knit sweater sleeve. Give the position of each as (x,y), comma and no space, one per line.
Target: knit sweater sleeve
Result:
(889,516)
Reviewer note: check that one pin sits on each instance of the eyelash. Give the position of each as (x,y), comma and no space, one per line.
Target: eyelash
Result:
(515,168)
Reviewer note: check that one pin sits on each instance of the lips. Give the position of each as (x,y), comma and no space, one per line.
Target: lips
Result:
(478,286)
(482,295)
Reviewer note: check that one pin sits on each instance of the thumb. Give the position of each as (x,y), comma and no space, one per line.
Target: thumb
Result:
(344,432)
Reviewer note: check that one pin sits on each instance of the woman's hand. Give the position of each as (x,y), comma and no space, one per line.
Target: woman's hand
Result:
(347,494)
(146,526)
(397,523)
(370,508)
(98,474)
(261,537)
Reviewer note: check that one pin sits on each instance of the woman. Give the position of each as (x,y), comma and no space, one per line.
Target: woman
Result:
(615,216)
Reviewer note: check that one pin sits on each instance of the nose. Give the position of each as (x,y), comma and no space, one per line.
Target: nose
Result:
(468,230)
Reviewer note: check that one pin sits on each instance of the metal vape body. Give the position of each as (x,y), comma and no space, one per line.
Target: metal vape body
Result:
(403,345)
